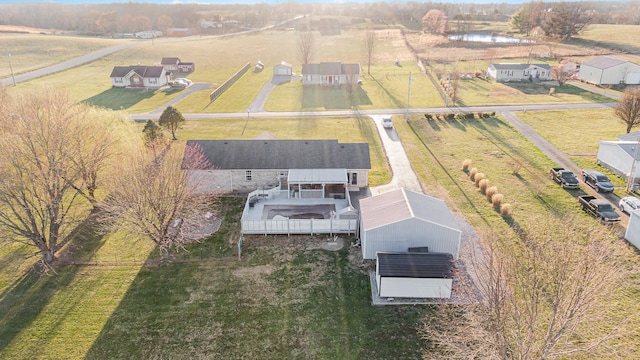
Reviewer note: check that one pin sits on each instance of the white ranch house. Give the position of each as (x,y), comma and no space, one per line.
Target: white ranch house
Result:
(505,72)
(401,219)
(149,77)
(330,74)
(293,186)
(607,70)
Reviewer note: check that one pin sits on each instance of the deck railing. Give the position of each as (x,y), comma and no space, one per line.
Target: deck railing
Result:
(300,226)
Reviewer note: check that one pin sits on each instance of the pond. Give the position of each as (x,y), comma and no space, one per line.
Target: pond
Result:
(487,38)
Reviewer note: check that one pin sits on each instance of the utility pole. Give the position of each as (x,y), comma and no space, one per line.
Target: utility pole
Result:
(406,114)
(11,68)
(631,177)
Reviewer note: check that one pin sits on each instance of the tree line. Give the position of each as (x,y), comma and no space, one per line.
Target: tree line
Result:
(66,163)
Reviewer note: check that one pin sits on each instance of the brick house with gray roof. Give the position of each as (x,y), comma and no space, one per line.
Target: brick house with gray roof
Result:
(149,77)
(247,165)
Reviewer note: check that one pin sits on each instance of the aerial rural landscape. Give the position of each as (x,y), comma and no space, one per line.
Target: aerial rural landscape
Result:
(307,180)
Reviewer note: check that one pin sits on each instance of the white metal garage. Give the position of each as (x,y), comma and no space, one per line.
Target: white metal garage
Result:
(414,275)
(400,219)
(633,229)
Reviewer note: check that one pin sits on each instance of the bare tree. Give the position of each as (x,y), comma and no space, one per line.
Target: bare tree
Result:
(370,42)
(558,73)
(628,108)
(153,198)
(306,47)
(52,155)
(554,296)
(172,120)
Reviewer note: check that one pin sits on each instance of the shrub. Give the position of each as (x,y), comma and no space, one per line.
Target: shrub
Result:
(428,116)
(480,115)
(478,177)
(451,116)
(469,116)
(486,115)
(465,165)
(483,185)
(491,191)
(493,113)
(472,174)
(496,200)
(505,211)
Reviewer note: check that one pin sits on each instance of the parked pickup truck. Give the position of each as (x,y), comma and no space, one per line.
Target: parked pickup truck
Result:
(566,178)
(597,180)
(599,208)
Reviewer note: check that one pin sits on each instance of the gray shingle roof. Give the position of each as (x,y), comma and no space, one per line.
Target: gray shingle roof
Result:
(415,265)
(604,62)
(170,61)
(330,68)
(284,154)
(144,71)
(514,66)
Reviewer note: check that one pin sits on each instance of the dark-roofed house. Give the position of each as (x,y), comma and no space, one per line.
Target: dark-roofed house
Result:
(330,74)
(247,165)
(401,219)
(607,70)
(170,63)
(149,77)
(506,72)
(414,275)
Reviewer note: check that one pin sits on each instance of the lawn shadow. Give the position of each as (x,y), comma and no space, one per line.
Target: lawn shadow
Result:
(326,97)
(395,100)
(120,99)
(28,296)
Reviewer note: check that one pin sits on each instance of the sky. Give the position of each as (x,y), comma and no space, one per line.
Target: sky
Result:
(247,1)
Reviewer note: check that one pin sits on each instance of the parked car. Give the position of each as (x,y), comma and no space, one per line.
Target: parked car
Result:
(598,208)
(629,204)
(185,80)
(566,178)
(387,122)
(597,180)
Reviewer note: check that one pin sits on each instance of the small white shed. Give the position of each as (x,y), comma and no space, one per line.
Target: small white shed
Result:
(633,229)
(401,219)
(414,275)
(283,69)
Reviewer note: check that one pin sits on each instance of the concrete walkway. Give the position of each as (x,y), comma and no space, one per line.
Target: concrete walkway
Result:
(403,174)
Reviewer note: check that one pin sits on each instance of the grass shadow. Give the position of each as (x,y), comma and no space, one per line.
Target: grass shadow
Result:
(326,97)
(120,99)
(27,298)
(532,88)
(399,104)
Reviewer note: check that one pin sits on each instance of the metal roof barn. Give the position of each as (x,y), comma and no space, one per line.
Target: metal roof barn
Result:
(401,219)
(633,229)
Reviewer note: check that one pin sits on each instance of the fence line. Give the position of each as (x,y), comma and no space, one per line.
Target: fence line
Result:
(222,88)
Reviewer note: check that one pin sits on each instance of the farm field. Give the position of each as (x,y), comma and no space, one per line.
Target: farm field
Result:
(437,149)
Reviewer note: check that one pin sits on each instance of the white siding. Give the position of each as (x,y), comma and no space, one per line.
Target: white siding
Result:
(611,156)
(590,74)
(400,236)
(633,78)
(414,287)
(633,229)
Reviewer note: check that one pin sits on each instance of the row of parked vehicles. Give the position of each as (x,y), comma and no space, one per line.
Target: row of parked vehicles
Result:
(598,208)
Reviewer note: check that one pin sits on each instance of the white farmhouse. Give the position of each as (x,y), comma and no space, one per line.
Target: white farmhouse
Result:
(330,74)
(505,72)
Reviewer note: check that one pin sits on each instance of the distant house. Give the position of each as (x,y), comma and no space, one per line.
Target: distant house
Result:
(150,77)
(505,72)
(330,74)
(607,70)
(401,219)
(618,156)
(176,32)
(247,165)
(283,69)
(148,34)
(174,64)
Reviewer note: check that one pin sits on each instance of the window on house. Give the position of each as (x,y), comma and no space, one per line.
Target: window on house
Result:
(353,179)
(136,80)
(153,81)
(247,175)
(282,173)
